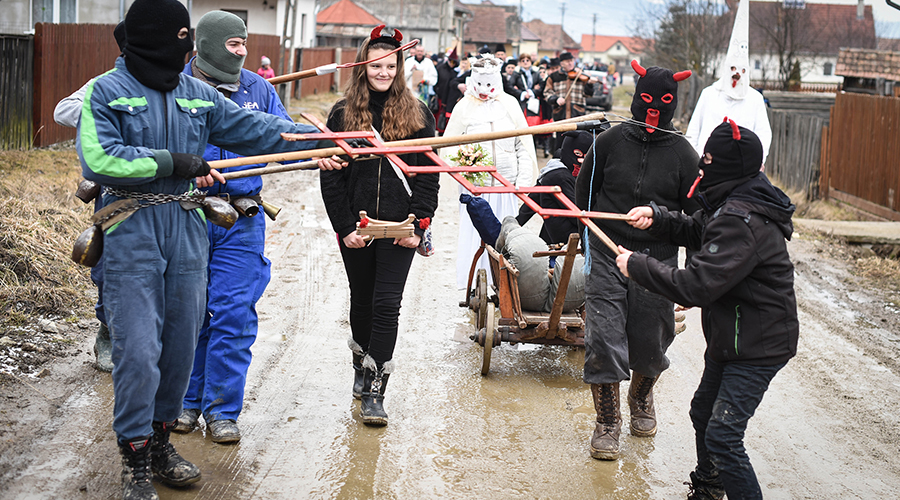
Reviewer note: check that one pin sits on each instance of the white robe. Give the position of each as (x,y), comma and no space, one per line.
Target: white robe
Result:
(514,158)
(714,105)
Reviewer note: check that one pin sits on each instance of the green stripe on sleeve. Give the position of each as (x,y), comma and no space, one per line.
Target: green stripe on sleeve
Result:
(95,156)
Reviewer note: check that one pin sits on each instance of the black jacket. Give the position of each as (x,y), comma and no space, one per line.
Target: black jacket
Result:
(741,276)
(446,74)
(519,84)
(372,185)
(634,168)
(555,229)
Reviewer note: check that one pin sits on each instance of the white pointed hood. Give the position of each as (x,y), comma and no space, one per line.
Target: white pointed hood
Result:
(736,82)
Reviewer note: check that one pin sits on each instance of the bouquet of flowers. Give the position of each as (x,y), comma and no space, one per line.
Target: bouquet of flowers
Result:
(473,155)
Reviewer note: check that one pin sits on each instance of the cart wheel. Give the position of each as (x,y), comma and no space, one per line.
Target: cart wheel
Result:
(481,299)
(488,340)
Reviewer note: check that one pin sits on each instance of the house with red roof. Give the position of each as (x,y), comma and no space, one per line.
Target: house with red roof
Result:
(554,40)
(812,34)
(344,24)
(497,26)
(616,50)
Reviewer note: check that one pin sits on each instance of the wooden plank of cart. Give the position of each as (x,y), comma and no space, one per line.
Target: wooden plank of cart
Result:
(515,325)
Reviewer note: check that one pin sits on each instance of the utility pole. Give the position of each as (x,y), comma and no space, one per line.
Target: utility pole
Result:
(594,32)
(562,18)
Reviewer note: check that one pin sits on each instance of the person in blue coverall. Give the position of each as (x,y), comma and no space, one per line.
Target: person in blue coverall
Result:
(238,269)
(143,127)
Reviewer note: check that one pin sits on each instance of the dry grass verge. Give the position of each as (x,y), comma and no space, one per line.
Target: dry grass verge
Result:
(41,220)
(42,292)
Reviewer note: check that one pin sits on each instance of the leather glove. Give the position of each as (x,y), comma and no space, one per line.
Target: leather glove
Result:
(188,166)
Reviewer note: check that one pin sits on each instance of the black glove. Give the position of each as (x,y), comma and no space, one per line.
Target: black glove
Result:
(189,166)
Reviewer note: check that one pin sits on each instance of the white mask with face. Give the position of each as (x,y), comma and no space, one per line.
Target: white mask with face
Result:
(735,70)
(485,82)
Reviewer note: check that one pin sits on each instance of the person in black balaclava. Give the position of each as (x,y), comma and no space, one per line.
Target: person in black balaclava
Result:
(742,277)
(628,327)
(157,40)
(560,171)
(144,126)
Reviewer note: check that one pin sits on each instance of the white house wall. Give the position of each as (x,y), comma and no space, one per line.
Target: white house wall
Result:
(15,17)
(812,69)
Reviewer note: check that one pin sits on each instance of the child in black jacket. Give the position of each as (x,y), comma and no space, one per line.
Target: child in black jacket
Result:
(742,277)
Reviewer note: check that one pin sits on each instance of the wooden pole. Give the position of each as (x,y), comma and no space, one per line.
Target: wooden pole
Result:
(434,142)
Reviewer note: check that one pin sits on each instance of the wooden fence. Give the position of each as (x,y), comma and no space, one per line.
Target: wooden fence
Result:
(65,57)
(860,161)
(15,91)
(794,154)
(68,55)
(797,120)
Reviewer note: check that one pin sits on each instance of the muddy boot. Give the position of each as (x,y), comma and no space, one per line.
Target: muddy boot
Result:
(640,402)
(703,489)
(358,355)
(188,421)
(170,467)
(103,349)
(375,379)
(605,441)
(224,431)
(136,475)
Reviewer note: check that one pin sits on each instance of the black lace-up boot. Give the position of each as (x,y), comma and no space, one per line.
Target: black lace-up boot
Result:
(640,402)
(605,441)
(170,467)
(704,489)
(375,378)
(136,475)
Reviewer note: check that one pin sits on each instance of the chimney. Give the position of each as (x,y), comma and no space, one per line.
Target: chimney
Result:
(860,10)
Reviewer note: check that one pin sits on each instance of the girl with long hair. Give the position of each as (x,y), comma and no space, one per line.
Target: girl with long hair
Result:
(376,98)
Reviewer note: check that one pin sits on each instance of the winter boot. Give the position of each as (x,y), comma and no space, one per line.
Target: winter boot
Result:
(166,463)
(640,402)
(358,355)
(223,431)
(136,475)
(375,379)
(703,489)
(605,441)
(103,349)
(188,421)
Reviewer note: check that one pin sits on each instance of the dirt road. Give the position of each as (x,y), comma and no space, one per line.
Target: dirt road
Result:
(829,427)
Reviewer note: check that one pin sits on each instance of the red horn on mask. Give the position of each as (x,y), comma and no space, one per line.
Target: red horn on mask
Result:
(638,68)
(735,131)
(376,33)
(682,75)
(397,35)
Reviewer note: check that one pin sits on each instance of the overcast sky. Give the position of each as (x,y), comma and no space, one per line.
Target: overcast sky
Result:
(616,17)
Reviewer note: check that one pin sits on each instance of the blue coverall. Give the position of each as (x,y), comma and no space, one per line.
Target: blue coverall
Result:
(155,261)
(238,275)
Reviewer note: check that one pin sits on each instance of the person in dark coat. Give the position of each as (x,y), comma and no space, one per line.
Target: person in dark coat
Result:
(629,165)
(446,74)
(560,171)
(743,279)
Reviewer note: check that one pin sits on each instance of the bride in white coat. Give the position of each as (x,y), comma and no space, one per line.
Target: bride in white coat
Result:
(487,108)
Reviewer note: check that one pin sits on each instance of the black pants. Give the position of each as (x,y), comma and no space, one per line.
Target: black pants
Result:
(377,275)
(728,396)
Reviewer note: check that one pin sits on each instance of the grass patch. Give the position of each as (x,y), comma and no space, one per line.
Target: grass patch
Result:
(42,218)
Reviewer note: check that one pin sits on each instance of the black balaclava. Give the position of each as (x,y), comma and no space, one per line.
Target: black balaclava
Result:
(732,156)
(119,34)
(154,54)
(575,145)
(656,95)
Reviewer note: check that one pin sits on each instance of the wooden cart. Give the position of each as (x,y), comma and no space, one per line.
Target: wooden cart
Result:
(514,324)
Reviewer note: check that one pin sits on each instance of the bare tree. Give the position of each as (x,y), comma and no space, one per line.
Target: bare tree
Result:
(685,34)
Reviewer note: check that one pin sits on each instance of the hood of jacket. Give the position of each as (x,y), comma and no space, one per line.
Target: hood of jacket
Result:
(767,200)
